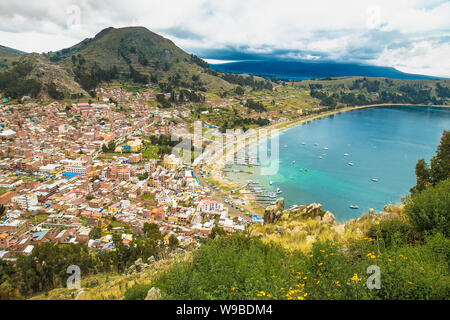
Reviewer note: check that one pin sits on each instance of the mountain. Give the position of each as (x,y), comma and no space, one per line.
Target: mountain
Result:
(137,53)
(305,70)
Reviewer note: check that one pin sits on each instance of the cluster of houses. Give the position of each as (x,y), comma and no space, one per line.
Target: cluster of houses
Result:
(56,184)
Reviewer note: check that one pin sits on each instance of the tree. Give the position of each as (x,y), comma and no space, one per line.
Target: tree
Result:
(217,231)
(429,209)
(111,146)
(96,233)
(151,230)
(173,241)
(422,176)
(440,163)
(440,166)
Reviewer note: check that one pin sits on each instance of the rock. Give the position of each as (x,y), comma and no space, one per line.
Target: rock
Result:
(285,216)
(272,214)
(151,259)
(153,294)
(371,212)
(313,210)
(329,218)
(280,230)
(138,261)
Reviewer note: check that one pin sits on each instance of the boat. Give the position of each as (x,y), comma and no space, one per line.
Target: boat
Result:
(272,195)
(350,164)
(346,154)
(316,144)
(325,148)
(354,207)
(303,143)
(375,180)
(321,157)
(278,191)
(293,161)
(270,182)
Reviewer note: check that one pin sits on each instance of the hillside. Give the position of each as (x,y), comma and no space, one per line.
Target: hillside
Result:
(8,57)
(136,48)
(35,76)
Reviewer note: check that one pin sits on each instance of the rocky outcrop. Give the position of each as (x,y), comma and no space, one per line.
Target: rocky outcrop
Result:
(313,210)
(153,294)
(272,214)
(139,265)
(329,218)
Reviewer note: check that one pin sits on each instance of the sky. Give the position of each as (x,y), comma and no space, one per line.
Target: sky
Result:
(410,35)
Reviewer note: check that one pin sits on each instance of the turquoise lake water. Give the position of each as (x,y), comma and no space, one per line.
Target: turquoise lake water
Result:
(383,143)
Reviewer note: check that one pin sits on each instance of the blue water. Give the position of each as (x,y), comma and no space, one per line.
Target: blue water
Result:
(304,70)
(383,143)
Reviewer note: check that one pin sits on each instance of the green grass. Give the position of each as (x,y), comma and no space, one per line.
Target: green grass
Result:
(150,152)
(239,267)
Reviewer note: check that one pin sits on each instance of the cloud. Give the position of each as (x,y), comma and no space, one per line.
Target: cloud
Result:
(376,31)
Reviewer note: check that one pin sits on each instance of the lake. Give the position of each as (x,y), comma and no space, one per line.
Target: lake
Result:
(383,143)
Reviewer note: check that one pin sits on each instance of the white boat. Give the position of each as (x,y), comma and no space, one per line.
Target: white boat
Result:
(350,164)
(375,180)
(321,157)
(278,191)
(346,154)
(303,143)
(270,182)
(293,161)
(325,148)
(354,207)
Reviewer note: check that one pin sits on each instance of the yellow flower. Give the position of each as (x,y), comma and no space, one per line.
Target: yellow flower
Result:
(338,284)
(318,281)
(269,296)
(232,289)
(304,278)
(411,283)
(320,264)
(355,277)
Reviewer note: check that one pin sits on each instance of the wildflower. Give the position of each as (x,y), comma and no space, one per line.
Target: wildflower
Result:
(232,289)
(411,283)
(304,278)
(355,277)
(269,296)
(338,284)
(320,264)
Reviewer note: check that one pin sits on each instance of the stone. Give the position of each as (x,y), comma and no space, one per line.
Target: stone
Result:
(329,218)
(151,260)
(272,214)
(313,210)
(153,294)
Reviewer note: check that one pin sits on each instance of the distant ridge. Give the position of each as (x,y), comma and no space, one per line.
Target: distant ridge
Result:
(305,70)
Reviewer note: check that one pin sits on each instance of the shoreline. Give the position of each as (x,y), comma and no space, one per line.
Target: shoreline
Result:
(216,164)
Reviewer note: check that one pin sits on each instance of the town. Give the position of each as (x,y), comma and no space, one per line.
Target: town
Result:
(80,173)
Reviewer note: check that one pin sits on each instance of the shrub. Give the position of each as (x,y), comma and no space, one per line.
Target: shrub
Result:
(429,209)
(137,292)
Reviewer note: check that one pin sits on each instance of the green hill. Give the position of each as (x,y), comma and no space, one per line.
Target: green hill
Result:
(139,54)
(8,57)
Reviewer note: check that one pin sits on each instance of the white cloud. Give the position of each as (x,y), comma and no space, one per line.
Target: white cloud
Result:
(341,30)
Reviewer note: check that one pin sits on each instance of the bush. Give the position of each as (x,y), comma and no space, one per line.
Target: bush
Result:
(394,232)
(137,292)
(429,209)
